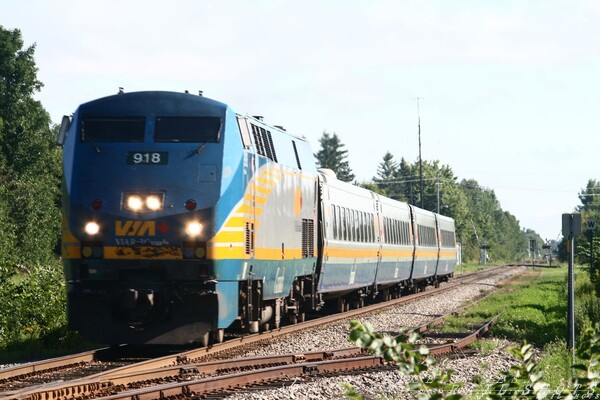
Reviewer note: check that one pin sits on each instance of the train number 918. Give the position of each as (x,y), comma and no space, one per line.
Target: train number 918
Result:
(147,157)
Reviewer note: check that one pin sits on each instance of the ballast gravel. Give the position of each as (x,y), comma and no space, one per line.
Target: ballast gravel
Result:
(468,370)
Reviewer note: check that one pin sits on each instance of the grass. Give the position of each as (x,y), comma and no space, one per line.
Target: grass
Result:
(532,308)
(56,343)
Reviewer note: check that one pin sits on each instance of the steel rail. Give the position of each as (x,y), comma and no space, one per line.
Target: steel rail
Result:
(88,386)
(233,373)
(52,364)
(447,348)
(228,382)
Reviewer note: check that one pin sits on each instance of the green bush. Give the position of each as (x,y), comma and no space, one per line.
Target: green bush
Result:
(524,380)
(33,303)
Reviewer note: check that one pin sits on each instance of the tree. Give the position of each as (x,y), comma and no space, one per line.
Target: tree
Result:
(590,197)
(386,178)
(32,295)
(332,155)
(29,160)
(490,224)
(588,245)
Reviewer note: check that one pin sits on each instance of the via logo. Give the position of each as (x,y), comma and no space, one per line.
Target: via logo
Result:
(135,228)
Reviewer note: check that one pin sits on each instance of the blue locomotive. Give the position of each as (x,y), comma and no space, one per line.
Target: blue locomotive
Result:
(183,219)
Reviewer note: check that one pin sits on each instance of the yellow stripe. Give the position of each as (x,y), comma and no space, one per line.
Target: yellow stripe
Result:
(235,222)
(264,190)
(71,250)
(350,253)
(275,254)
(260,200)
(449,254)
(370,253)
(67,236)
(238,252)
(397,253)
(265,181)
(273,173)
(249,210)
(427,254)
(228,237)
(246,209)
(221,253)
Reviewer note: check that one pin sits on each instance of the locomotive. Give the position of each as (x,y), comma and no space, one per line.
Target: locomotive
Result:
(183,219)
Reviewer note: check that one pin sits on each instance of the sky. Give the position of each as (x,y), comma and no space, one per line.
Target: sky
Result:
(509,91)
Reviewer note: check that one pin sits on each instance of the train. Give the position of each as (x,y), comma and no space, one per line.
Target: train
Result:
(184,220)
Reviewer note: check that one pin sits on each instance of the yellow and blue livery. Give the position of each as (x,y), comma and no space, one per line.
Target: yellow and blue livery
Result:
(183,219)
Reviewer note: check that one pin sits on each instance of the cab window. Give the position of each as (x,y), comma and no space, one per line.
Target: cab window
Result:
(187,129)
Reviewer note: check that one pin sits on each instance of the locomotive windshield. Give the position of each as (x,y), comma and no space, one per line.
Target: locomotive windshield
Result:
(187,129)
(130,129)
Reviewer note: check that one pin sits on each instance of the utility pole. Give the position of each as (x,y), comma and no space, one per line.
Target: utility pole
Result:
(420,160)
(437,183)
(571,227)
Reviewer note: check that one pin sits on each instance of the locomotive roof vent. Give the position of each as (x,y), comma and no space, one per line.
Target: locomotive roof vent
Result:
(200,92)
(121,90)
(258,117)
(280,127)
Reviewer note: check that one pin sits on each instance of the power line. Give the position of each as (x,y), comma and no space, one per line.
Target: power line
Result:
(391,181)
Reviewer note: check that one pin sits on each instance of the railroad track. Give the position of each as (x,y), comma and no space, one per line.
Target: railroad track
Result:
(200,379)
(28,372)
(75,366)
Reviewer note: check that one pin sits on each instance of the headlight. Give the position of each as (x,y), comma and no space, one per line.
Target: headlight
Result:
(92,228)
(135,203)
(153,203)
(143,202)
(193,229)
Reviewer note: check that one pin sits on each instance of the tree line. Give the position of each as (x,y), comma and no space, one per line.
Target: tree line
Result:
(32,294)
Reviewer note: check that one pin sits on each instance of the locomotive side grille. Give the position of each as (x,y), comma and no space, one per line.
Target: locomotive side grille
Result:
(270,148)
(258,140)
(249,246)
(308,235)
(264,142)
